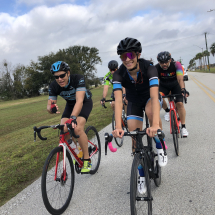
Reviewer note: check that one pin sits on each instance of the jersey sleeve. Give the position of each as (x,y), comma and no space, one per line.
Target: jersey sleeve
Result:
(117,81)
(179,70)
(106,80)
(153,76)
(80,83)
(52,92)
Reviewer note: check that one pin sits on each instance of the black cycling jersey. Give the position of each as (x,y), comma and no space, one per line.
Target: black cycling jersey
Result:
(76,83)
(169,75)
(138,91)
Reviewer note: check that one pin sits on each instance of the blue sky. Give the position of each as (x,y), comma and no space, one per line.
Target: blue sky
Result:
(32,28)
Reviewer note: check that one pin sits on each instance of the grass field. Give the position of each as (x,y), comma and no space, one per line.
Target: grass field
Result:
(22,159)
(212,70)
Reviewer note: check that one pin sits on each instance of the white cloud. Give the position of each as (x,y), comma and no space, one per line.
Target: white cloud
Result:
(103,24)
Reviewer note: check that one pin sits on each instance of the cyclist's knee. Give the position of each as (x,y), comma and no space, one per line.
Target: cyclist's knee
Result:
(180,105)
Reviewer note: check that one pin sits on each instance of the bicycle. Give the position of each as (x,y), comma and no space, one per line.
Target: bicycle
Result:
(119,142)
(175,122)
(57,182)
(147,158)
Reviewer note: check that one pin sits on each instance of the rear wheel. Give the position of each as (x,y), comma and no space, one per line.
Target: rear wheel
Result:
(57,193)
(174,133)
(94,148)
(140,203)
(119,141)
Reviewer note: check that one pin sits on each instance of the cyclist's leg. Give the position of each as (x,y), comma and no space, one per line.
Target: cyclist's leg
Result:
(180,107)
(164,91)
(162,159)
(134,119)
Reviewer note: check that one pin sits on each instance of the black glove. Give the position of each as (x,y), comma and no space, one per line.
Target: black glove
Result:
(184,91)
(103,99)
(53,108)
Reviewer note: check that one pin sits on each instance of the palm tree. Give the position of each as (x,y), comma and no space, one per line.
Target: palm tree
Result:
(212,48)
(199,57)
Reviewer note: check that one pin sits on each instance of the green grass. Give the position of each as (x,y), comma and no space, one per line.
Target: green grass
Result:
(212,70)
(22,159)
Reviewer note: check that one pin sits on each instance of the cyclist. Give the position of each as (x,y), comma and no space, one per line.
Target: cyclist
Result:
(108,79)
(140,79)
(79,104)
(171,79)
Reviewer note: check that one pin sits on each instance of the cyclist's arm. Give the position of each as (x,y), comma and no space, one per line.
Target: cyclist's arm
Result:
(155,106)
(154,91)
(105,91)
(52,98)
(118,108)
(179,74)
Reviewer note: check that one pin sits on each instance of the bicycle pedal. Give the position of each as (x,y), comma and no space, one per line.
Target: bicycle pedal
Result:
(85,173)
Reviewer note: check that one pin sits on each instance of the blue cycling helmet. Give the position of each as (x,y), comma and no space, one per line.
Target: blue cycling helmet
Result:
(59,66)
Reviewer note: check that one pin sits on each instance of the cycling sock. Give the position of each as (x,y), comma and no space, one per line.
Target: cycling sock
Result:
(158,143)
(141,172)
(183,125)
(87,160)
(167,110)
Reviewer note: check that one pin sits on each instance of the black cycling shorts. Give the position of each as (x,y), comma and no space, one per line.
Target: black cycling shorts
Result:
(135,110)
(174,87)
(85,111)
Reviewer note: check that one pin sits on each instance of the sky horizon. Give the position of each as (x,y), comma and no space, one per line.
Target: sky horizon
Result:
(29,29)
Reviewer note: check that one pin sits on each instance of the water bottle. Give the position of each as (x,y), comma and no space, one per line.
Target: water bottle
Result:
(141,172)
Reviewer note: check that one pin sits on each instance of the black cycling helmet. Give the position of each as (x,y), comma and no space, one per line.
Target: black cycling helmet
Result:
(128,45)
(163,56)
(112,65)
(59,66)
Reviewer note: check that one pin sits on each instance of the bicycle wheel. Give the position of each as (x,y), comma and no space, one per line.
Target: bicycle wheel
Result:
(94,148)
(174,133)
(57,193)
(119,141)
(157,169)
(140,203)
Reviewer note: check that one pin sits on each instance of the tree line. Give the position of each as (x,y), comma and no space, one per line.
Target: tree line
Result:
(21,81)
(201,57)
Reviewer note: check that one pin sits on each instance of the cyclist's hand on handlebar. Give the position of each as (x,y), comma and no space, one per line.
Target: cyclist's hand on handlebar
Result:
(184,91)
(73,122)
(102,101)
(118,132)
(53,107)
(152,131)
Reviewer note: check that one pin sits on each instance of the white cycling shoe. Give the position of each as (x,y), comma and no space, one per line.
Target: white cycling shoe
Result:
(162,159)
(166,116)
(184,132)
(141,185)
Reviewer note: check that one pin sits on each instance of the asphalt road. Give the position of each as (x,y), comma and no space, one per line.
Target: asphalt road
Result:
(188,181)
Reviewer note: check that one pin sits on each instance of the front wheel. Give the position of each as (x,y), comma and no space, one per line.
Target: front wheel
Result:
(94,148)
(174,133)
(57,193)
(140,201)
(119,141)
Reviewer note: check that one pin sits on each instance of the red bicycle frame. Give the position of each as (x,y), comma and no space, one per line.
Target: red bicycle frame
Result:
(177,121)
(63,143)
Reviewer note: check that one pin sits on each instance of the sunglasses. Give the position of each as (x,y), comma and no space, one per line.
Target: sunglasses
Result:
(60,76)
(165,62)
(113,70)
(130,55)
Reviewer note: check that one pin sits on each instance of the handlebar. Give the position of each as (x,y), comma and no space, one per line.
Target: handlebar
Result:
(108,138)
(37,131)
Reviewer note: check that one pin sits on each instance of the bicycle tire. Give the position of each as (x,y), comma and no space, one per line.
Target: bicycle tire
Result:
(174,133)
(59,188)
(119,141)
(93,136)
(141,206)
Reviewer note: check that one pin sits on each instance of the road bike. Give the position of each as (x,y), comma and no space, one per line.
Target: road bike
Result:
(145,156)
(175,122)
(58,177)
(119,142)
